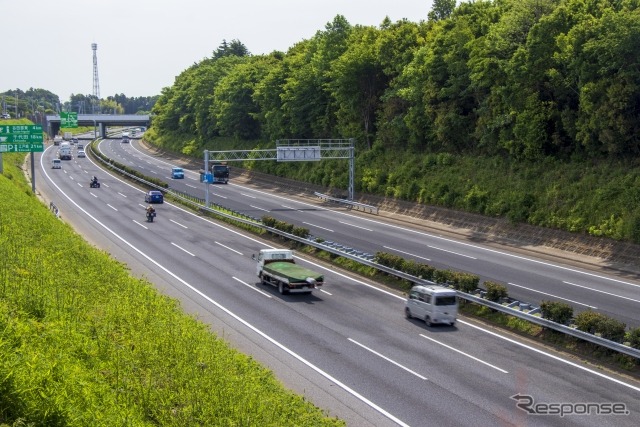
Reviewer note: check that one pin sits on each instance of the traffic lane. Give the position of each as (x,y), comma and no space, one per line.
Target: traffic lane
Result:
(242,298)
(532,284)
(351,322)
(138,259)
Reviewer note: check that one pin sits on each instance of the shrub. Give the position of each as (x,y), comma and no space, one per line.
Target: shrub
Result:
(612,329)
(598,323)
(442,276)
(269,221)
(587,321)
(495,291)
(556,311)
(633,336)
(466,282)
(301,232)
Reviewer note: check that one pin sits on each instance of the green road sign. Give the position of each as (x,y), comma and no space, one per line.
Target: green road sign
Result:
(68,120)
(22,138)
(21,148)
(20,129)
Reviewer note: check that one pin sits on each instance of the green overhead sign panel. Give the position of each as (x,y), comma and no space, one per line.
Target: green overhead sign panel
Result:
(69,120)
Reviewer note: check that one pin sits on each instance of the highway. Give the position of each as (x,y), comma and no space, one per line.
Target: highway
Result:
(528,279)
(348,348)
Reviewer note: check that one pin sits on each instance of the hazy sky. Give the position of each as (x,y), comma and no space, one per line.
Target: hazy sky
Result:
(144,44)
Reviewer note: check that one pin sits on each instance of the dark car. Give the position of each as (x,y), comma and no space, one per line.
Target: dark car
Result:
(153,196)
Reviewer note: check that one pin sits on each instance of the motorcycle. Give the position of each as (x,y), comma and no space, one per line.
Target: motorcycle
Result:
(94,184)
(150,216)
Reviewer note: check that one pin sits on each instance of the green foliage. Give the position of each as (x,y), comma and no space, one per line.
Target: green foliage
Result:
(525,110)
(598,323)
(633,337)
(85,343)
(495,291)
(556,311)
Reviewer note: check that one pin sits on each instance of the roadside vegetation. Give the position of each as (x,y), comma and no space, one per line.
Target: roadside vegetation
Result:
(519,109)
(82,342)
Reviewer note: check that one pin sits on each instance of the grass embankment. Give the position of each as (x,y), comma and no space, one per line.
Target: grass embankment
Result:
(82,342)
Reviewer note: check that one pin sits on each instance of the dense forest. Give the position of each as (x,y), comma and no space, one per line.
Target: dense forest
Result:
(524,109)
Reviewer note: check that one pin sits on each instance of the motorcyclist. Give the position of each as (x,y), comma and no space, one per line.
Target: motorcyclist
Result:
(94,180)
(150,210)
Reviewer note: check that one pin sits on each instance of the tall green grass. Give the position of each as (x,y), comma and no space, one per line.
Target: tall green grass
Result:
(82,342)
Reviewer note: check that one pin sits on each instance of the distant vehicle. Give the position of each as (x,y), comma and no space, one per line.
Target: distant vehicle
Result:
(67,136)
(6,116)
(57,140)
(64,152)
(56,164)
(177,173)
(74,140)
(433,304)
(220,173)
(81,153)
(154,196)
(80,146)
(125,136)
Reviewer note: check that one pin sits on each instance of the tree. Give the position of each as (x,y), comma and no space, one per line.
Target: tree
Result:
(235,48)
(441,9)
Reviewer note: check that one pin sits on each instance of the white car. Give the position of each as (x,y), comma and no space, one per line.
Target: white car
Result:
(56,164)
(81,153)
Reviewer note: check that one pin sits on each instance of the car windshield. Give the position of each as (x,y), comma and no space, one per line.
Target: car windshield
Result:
(177,169)
(446,300)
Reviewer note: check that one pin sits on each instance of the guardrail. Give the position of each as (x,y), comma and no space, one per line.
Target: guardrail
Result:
(368,260)
(352,204)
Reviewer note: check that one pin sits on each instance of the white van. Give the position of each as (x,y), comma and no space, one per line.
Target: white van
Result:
(433,304)
(56,164)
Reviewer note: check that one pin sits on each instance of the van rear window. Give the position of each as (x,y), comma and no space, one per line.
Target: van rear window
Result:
(446,300)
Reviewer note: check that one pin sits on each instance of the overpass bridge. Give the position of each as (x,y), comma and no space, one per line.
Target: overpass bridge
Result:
(100,122)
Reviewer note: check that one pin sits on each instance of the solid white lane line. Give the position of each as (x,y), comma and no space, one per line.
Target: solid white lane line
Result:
(575,365)
(551,295)
(323,291)
(602,292)
(465,354)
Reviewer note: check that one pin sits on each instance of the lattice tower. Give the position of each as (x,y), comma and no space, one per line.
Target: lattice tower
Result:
(96,83)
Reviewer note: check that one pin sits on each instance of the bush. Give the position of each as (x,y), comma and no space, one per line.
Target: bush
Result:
(612,329)
(495,291)
(598,323)
(465,282)
(556,311)
(587,321)
(633,336)
(442,276)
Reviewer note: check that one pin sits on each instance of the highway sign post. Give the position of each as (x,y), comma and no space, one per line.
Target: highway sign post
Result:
(22,139)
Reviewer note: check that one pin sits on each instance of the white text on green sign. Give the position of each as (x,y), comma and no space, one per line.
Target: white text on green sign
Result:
(24,138)
(21,148)
(20,129)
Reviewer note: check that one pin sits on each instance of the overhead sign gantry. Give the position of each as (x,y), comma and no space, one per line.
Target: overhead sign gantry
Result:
(288,150)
